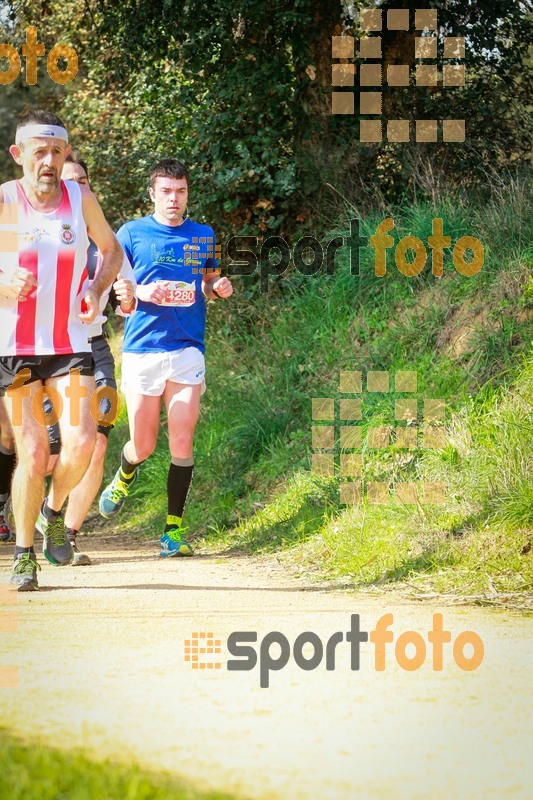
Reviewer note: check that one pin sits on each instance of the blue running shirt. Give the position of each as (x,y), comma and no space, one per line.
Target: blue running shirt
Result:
(166,253)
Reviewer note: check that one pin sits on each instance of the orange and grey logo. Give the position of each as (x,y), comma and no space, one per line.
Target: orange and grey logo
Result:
(309,255)
(309,651)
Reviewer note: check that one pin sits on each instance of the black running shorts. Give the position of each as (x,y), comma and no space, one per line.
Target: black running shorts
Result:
(104,375)
(43,368)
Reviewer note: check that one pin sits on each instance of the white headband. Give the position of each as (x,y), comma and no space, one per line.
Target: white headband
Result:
(41,132)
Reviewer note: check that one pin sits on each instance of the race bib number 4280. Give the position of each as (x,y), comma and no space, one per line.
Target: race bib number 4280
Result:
(180,294)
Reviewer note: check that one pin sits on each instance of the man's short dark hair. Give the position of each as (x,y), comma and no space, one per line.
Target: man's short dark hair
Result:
(74,158)
(169,168)
(40,117)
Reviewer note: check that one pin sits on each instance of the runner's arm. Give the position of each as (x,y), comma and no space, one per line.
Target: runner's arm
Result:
(215,286)
(154,292)
(124,290)
(104,238)
(15,283)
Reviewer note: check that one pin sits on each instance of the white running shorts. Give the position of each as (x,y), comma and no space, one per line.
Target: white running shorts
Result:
(147,373)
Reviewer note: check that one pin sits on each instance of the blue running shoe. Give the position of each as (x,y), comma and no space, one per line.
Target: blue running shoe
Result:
(113,497)
(173,544)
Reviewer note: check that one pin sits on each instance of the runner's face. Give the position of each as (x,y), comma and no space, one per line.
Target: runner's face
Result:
(169,196)
(42,161)
(74,172)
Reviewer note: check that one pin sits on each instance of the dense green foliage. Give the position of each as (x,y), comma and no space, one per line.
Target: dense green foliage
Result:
(240,90)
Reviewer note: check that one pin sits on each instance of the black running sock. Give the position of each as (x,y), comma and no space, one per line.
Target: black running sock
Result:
(127,469)
(7,468)
(179,480)
(47,512)
(20,550)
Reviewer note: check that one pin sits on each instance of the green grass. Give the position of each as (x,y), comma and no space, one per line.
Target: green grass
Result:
(31,771)
(268,355)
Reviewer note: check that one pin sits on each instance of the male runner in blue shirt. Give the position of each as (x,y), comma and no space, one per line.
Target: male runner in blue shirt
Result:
(175,267)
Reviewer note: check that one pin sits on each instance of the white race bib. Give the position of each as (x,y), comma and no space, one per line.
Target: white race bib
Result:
(179,293)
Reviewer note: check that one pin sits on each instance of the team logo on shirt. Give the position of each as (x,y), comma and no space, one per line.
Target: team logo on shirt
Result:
(32,237)
(164,256)
(67,235)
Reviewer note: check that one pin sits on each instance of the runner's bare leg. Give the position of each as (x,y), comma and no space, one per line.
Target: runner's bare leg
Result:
(143,416)
(7,438)
(31,440)
(77,440)
(81,497)
(182,402)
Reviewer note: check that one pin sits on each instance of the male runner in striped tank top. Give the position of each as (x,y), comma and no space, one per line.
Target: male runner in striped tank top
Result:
(43,332)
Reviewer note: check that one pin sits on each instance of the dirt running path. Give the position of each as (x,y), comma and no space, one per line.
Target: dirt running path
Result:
(100,654)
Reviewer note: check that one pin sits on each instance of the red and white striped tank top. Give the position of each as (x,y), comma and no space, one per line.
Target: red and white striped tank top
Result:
(53,247)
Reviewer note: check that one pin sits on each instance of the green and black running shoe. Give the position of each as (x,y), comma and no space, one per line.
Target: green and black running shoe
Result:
(56,547)
(24,575)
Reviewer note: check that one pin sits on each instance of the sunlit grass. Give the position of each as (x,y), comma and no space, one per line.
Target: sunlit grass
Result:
(268,355)
(31,771)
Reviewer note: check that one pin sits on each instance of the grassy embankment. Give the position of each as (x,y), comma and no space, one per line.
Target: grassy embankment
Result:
(469,341)
(30,771)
